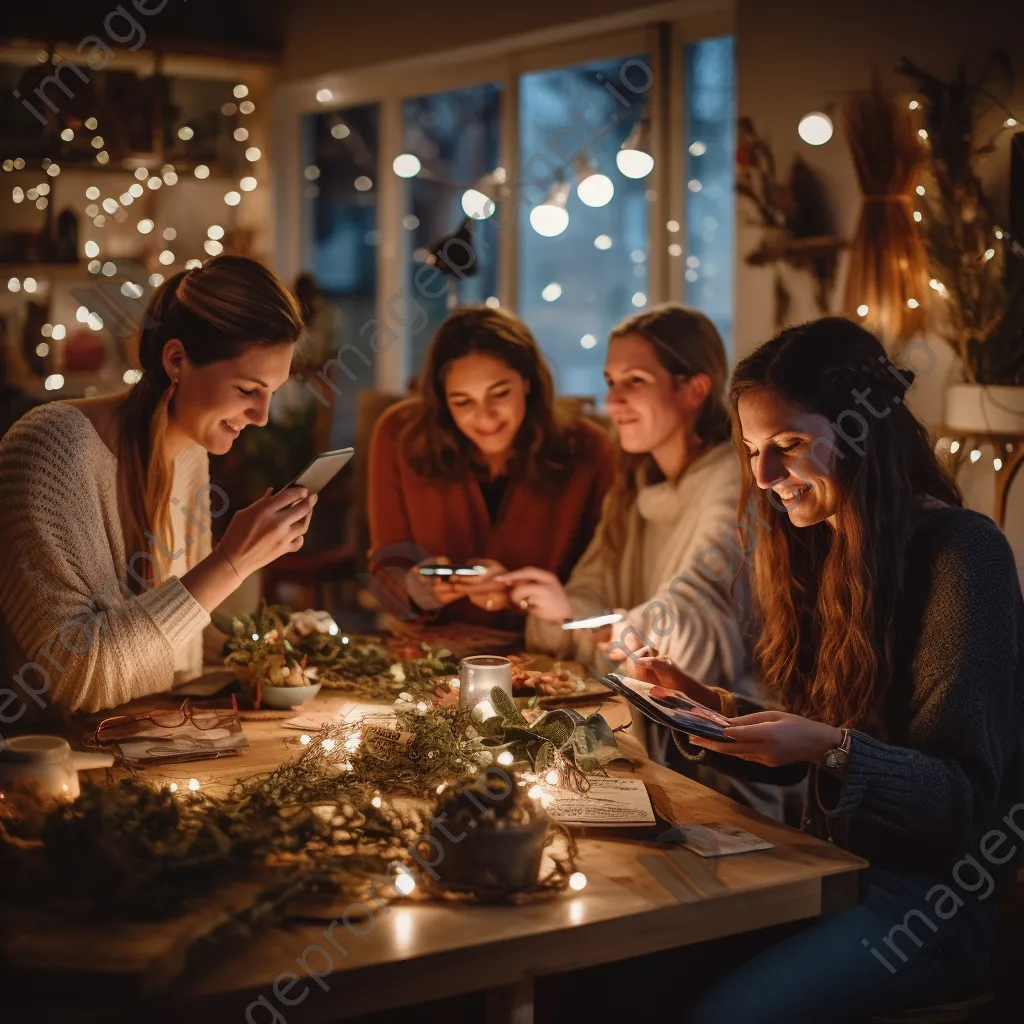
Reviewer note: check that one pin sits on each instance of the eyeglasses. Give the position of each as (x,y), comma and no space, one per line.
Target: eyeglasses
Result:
(110,730)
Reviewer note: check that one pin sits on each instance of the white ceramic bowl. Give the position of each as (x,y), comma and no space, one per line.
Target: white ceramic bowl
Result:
(284,697)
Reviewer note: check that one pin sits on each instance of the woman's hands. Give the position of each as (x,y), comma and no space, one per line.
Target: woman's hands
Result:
(538,592)
(440,586)
(649,667)
(484,591)
(772,738)
(775,738)
(267,529)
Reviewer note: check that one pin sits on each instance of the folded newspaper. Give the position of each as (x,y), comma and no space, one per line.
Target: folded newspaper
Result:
(669,707)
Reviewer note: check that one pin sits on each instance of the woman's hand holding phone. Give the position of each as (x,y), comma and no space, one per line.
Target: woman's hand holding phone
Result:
(440,586)
(270,527)
(484,591)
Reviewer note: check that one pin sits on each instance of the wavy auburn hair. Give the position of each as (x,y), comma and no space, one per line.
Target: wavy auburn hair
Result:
(830,600)
(215,311)
(546,445)
(686,343)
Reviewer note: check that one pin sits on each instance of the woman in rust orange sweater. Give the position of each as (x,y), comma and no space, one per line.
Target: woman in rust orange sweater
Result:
(480,469)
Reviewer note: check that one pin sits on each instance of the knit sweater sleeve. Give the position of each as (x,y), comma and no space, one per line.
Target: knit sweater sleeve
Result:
(88,642)
(691,617)
(965,719)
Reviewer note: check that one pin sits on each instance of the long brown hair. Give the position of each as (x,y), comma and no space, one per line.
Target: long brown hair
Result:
(686,343)
(829,600)
(546,444)
(215,311)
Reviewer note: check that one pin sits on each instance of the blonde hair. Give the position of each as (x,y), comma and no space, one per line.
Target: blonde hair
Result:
(215,311)
(686,343)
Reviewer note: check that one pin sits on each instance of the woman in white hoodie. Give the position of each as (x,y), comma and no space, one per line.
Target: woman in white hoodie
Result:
(667,552)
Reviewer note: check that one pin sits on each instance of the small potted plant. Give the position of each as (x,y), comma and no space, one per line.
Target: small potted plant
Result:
(279,675)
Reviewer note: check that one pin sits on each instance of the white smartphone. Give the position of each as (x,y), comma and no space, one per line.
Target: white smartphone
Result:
(322,469)
(594,622)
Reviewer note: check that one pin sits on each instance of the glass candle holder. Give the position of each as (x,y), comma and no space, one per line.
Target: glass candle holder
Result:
(479,674)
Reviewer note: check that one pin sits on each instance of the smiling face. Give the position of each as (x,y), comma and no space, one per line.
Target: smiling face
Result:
(214,403)
(792,452)
(487,401)
(649,405)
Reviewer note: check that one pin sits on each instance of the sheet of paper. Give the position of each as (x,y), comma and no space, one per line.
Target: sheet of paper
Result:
(610,801)
(310,721)
(715,839)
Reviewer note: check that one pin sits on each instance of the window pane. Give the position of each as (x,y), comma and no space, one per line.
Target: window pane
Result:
(577,284)
(454,135)
(340,183)
(711,179)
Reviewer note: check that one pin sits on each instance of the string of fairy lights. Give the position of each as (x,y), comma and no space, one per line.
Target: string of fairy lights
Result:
(103,209)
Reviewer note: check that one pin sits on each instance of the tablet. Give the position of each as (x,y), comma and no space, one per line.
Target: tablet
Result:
(322,469)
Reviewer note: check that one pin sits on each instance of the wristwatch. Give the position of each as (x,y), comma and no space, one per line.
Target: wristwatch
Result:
(836,758)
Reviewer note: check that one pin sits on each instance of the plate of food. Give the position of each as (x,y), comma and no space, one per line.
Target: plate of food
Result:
(551,682)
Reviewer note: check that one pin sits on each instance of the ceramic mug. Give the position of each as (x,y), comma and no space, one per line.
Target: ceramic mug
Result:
(45,766)
(479,674)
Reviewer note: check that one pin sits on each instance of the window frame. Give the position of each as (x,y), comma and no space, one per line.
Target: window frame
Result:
(660,32)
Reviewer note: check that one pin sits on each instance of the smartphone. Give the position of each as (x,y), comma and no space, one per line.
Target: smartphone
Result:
(322,469)
(452,570)
(594,622)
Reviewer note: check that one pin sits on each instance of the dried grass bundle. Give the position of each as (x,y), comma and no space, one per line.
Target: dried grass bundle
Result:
(887,260)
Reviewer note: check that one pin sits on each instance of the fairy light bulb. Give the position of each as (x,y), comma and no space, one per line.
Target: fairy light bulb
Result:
(505,757)
(577,881)
(193,784)
(815,128)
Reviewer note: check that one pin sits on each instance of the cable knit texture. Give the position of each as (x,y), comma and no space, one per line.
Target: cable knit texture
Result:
(73,628)
(952,766)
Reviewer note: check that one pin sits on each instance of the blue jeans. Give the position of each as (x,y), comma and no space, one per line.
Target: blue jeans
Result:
(833,969)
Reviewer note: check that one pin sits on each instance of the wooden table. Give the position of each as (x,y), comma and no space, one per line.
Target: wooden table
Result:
(640,898)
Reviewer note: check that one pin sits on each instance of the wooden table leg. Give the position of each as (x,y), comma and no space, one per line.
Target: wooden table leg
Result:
(511,1004)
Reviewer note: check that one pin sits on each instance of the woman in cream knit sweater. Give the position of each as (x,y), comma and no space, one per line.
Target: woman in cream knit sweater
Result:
(666,553)
(107,572)
(657,555)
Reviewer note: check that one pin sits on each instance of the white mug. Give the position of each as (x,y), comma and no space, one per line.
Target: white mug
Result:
(45,766)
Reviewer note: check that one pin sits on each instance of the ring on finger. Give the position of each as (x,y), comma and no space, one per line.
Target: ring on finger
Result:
(525,604)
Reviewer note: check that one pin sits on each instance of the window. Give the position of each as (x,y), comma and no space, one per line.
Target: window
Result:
(582,221)
(339,184)
(711,179)
(453,137)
